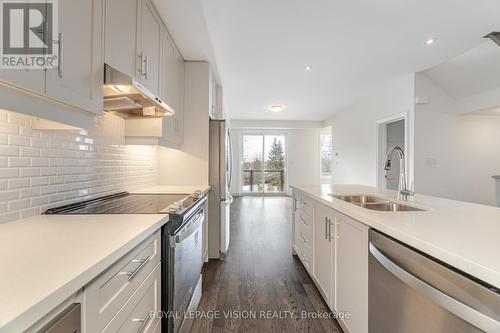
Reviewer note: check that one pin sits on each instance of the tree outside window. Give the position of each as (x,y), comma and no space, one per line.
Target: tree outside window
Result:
(326,153)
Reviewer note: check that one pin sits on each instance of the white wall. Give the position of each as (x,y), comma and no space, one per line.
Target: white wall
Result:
(455,155)
(189,165)
(355,134)
(40,169)
(302,155)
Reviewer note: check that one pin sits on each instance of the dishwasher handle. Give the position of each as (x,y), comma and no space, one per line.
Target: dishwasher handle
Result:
(450,304)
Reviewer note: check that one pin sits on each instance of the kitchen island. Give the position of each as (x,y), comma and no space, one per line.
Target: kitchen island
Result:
(351,240)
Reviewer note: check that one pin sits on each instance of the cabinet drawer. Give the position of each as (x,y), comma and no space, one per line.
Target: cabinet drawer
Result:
(303,239)
(305,259)
(106,295)
(135,316)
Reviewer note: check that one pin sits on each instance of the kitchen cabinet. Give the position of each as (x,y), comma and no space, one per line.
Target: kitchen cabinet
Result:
(76,85)
(149,47)
(325,252)
(340,258)
(132,282)
(120,38)
(172,91)
(352,272)
(78,80)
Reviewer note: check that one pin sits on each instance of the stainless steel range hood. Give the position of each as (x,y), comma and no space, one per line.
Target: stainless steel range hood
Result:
(126,97)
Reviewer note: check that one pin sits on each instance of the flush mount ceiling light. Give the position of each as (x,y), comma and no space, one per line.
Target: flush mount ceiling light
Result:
(276,108)
(431,41)
(308,68)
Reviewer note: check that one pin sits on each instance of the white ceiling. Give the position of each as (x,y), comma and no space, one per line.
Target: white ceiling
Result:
(471,73)
(262,46)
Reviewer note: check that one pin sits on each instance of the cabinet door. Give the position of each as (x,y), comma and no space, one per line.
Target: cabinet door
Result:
(150,47)
(352,273)
(121,35)
(324,245)
(79,79)
(29,79)
(169,71)
(179,112)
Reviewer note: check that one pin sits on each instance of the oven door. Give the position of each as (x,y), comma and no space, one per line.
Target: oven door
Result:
(188,261)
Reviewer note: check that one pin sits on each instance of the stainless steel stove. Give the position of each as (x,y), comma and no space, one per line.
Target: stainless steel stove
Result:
(181,250)
(126,203)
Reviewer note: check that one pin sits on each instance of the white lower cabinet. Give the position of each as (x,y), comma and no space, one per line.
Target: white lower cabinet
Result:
(137,315)
(340,260)
(120,299)
(324,253)
(352,273)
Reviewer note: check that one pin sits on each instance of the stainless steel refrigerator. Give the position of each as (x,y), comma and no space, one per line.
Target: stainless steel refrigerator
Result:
(220,177)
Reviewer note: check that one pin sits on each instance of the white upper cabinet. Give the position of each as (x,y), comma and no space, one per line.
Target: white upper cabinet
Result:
(149,47)
(172,91)
(30,79)
(76,85)
(120,49)
(79,78)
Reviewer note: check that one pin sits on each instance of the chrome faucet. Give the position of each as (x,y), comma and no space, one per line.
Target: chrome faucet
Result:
(403,190)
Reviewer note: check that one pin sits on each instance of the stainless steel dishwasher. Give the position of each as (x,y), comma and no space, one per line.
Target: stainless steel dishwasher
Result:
(410,292)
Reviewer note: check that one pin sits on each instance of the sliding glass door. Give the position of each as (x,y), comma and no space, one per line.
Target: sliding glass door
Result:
(263,163)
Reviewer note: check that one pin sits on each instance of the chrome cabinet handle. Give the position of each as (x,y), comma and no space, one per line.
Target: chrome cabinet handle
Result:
(143,321)
(138,268)
(326,227)
(60,54)
(452,305)
(141,67)
(146,67)
(332,225)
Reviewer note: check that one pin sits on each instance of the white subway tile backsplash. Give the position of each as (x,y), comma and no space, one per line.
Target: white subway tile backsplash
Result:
(18,183)
(9,195)
(9,150)
(38,181)
(29,172)
(29,151)
(9,173)
(40,169)
(16,140)
(6,128)
(19,162)
(19,205)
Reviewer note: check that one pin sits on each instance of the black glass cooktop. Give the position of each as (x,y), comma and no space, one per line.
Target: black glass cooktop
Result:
(126,203)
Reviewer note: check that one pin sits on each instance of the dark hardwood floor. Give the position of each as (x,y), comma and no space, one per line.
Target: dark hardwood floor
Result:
(260,278)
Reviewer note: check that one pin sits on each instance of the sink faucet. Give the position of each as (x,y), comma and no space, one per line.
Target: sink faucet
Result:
(403,190)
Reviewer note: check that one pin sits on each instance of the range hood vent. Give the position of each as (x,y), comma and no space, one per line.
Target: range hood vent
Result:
(494,36)
(127,98)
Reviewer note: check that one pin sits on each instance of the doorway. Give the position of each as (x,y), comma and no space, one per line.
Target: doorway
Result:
(392,132)
(263,163)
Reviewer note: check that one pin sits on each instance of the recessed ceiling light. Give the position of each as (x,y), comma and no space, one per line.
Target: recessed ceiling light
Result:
(308,68)
(277,108)
(431,41)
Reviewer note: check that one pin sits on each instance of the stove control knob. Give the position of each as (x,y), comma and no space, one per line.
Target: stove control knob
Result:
(197,194)
(175,208)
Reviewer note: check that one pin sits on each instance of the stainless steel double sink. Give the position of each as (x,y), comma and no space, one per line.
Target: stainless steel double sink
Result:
(376,203)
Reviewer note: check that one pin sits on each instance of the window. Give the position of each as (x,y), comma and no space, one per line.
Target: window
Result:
(263,164)
(326,153)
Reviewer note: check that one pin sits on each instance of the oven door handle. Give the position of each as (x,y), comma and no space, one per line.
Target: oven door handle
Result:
(190,230)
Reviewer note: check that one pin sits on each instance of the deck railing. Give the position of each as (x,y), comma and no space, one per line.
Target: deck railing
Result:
(251,175)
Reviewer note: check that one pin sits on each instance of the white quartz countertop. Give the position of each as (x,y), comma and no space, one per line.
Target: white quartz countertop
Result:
(463,235)
(167,189)
(46,259)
